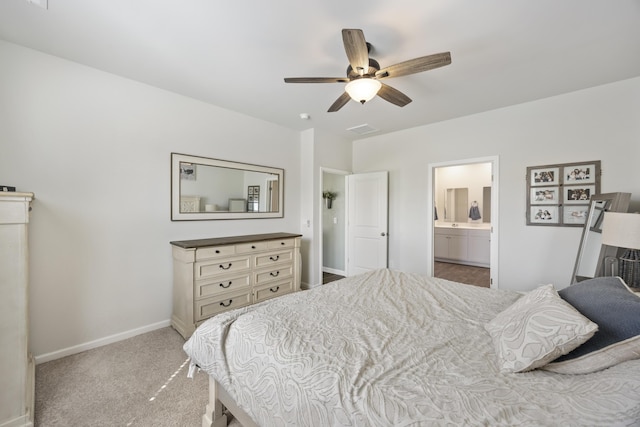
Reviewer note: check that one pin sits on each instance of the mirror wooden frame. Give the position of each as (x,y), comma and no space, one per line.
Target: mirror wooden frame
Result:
(177,197)
(616,202)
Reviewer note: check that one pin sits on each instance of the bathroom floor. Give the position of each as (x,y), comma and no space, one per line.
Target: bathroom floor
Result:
(477,276)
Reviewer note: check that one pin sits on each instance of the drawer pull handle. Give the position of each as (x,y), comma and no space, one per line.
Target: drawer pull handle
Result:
(282,243)
(253,247)
(217,251)
(275,274)
(277,257)
(274,290)
(223,286)
(226,305)
(227,267)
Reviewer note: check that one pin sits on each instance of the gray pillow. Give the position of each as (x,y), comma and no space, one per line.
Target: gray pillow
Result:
(610,303)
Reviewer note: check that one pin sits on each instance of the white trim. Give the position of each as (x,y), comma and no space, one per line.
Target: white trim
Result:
(47,357)
(494,247)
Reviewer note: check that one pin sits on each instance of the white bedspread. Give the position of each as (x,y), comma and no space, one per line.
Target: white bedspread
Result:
(394,349)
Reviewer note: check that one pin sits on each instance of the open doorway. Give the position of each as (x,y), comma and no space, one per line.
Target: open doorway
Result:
(333,220)
(463,230)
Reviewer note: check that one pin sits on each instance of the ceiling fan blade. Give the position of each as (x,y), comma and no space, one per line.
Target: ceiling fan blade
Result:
(316,80)
(394,96)
(416,65)
(340,102)
(356,48)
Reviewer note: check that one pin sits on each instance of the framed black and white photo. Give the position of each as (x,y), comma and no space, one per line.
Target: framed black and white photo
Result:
(545,195)
(578,194)
(575,214)
(544,215)
(580,173)
(187,171)
(559,194)
(544,176)
(253,190)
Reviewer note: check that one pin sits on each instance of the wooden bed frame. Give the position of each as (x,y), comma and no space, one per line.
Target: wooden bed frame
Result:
(219,405)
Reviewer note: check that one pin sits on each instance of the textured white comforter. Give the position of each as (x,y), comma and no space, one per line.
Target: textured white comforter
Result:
(394,349)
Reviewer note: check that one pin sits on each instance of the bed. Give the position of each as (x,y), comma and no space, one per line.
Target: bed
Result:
(387,348)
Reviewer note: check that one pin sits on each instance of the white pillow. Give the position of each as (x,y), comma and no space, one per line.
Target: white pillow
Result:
(536,329)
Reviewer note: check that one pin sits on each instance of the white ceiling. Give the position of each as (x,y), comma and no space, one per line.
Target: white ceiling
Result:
(235,53)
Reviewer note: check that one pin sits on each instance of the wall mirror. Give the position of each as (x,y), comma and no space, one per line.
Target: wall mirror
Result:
(456,205)
(591,252)
(203,189)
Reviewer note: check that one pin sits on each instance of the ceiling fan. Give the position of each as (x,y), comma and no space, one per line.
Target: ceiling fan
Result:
(364,73)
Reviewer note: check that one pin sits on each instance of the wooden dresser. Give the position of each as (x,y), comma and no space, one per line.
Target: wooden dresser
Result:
(16,363)
(211,276)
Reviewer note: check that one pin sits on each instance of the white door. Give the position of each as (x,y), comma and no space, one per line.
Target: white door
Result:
(367,222)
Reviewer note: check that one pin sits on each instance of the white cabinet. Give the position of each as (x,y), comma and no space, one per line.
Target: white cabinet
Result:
(16,363)
(462,245)
(451,243)
(211,276)
(479,247)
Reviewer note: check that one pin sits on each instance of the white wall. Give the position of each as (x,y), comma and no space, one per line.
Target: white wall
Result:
(600,123)
(95,150)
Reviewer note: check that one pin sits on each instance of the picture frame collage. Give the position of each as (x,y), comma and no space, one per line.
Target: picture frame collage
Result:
(558,195)
(253,198)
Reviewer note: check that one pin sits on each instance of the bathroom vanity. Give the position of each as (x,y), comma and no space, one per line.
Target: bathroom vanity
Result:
(462,243)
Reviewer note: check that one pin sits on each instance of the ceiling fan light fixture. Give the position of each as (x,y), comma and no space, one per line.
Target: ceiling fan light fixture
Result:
(363,90)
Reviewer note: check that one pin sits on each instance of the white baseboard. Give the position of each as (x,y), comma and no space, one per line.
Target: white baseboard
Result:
(100,342)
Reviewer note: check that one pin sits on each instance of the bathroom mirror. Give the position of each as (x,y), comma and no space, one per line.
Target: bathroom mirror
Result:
(456,205)
(591,252)
(203,188)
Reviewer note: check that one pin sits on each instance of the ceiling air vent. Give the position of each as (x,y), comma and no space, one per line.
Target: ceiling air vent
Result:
(363,129)
(40,3)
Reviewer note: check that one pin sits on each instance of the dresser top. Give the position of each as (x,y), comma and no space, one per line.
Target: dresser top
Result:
(217,241)
(14,195)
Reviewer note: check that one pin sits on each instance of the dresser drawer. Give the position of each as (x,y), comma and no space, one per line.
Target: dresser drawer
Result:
(215,252)
(205,269)
(273,274)
(275,289)
(247,248)
(211,306)
(273,258)
(284,243)
(207,288)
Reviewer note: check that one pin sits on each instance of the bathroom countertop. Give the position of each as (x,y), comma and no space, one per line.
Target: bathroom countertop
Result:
(464,225)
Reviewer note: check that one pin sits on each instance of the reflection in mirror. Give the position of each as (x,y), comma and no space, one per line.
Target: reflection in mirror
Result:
(456,204)
(486,204)
(591,252)
(205,188)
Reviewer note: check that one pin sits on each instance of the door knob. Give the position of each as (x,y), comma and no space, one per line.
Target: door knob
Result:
(383,234)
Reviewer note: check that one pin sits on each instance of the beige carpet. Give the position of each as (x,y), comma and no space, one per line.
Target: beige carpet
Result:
(141,381)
